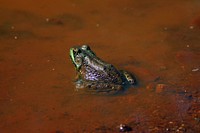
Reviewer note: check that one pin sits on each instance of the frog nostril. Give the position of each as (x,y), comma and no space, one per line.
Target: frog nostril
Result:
(79,51)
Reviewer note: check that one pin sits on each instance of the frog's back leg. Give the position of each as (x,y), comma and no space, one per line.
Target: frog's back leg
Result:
(98,86)
(103,87)
(130,78)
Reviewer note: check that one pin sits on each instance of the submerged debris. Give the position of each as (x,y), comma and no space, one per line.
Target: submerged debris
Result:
(124,128)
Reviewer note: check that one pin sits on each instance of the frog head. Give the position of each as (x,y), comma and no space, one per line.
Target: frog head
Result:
(80,55)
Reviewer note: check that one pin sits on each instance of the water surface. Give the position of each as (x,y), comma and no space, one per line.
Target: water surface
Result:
(156,40)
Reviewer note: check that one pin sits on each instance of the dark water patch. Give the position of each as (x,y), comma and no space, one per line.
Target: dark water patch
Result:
(20,16)
(3,32)
(71,21)
(5,29)
(20,24)
(16,17)
(8,32)
(103,128)
(22,34)
(59,131)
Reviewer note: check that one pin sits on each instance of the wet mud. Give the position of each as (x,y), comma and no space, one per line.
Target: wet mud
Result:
(157,41)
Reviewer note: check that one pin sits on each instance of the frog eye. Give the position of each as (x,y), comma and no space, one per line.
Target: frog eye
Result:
(85,47)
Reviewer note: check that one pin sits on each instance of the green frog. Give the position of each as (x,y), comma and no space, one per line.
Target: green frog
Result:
(97,75)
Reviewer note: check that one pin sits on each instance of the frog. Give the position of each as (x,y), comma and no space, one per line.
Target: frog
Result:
(96,75)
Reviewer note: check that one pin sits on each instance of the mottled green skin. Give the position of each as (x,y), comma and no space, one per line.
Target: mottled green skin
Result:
(97,75)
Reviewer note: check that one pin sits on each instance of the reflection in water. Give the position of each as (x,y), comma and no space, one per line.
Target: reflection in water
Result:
(158,41)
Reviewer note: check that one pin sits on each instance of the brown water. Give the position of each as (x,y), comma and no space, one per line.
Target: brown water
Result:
(158,41)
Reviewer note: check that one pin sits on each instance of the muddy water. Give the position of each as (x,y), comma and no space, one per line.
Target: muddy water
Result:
(156,40)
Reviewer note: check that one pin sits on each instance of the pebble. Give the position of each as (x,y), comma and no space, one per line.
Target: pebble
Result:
(191,27)
(165,28)
(47,19)
(195,69)
(12,27)
(15,37)
(160,88)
